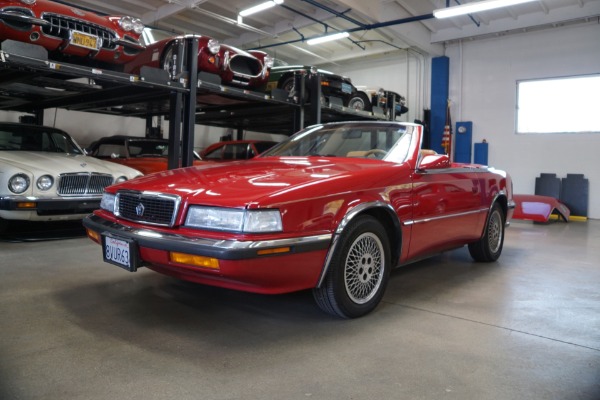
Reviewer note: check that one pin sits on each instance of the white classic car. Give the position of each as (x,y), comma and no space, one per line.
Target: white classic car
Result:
(46,176)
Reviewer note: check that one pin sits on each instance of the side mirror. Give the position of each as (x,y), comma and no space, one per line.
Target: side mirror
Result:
(434,161)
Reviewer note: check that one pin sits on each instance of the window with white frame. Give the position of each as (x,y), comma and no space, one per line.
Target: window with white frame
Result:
(559,105)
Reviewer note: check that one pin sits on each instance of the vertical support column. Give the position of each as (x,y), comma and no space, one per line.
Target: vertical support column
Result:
(189,103)
(314,106)
(39,116)
(440,77)
(300,83)
(176,102)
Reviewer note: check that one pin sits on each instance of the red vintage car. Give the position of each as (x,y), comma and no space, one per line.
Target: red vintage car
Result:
(230,150)
(234,66)
(69,33)
(333,209)
(147,155)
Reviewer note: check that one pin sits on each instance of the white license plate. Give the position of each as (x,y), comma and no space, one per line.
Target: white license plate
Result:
(83,39)
(346,88)
(119,252)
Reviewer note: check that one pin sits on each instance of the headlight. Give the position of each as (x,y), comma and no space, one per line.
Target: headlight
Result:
(108,202)
(45,182)
(249,221)
(138,26)
(18,183)
(214,46)
(269,61)
(126,23)
(121,179)
(29,2)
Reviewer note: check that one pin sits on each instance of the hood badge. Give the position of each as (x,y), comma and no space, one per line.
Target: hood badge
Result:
(139,210)
(83,165)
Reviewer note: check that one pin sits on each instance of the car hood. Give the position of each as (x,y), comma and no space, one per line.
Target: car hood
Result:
(57,163)
(267,181)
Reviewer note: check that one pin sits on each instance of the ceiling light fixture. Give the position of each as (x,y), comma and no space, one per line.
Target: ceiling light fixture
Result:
(260,7)
(328,38)
(475,7)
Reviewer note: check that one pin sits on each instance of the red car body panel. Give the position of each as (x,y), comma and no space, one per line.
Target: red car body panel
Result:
(539,208)
(31,24)
(435,207)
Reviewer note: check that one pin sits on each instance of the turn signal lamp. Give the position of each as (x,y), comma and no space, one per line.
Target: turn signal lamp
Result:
(95,236)
(191,259)
(26,204)
(277,250)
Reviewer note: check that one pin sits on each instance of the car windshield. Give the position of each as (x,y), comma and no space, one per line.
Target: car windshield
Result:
(28,138)
(388,142)
(152,35)
(140,148)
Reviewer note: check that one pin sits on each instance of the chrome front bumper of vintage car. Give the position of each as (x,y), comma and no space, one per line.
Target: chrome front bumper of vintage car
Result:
(216,248)
(46,208)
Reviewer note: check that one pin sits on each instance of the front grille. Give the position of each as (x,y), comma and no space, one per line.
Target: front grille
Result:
(148,208)
(83,183)
(61,27)
(248,66)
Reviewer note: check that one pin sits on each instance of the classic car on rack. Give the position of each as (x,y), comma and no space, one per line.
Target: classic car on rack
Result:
(71,34)
(333,208)
(235,150)
(367,98)
(332,85)
(233,66)
(45,175)
(147,155)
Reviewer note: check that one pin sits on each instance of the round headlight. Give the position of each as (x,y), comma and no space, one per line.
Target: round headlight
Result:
(28,2)
(18,183)
(121,179)
(126,23)
(138,26)
(45,182)
(214,46)
(269,61)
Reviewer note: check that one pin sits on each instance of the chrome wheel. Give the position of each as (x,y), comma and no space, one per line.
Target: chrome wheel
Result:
(363,273)
(495,231)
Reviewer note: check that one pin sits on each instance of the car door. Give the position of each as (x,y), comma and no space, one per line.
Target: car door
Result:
(446,209)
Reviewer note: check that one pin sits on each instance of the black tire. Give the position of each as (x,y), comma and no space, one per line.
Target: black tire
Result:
(287,84)
(359,270)
(489,247)
(360,102)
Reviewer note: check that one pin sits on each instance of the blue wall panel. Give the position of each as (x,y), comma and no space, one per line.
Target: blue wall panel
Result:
(462,138)
(440,77)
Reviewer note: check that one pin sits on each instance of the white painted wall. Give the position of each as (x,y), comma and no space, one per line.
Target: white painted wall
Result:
(483,76)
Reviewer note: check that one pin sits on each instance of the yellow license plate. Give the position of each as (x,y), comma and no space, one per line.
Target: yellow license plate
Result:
(83,39)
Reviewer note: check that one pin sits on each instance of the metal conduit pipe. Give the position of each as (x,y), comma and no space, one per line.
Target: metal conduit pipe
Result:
(334,12)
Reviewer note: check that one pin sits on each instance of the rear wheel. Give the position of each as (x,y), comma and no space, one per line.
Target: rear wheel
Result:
(489,247)
(359,270)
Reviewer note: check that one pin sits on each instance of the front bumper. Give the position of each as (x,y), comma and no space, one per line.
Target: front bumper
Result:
(35,208)
(243,265)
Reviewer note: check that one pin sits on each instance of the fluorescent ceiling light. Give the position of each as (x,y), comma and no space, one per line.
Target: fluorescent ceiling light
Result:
(475,7)
(328,38)
(260,7)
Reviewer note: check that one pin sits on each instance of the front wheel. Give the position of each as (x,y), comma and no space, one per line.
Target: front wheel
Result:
(489,247)
(358,272)
(360,102)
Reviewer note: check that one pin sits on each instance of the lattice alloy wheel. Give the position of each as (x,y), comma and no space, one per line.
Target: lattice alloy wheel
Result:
(358,272)
(489,247)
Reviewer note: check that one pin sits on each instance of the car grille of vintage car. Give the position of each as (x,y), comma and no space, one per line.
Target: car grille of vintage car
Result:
(83,184)
(244,68)
(61,26)
(155,209)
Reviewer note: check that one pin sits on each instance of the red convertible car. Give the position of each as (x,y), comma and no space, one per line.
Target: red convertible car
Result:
(69,33)
(234,66)
(333,209)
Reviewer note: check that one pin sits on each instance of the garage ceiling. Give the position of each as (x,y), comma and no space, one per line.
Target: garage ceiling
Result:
(282,29)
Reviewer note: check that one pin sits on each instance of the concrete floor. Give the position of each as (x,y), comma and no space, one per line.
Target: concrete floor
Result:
(527,327)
